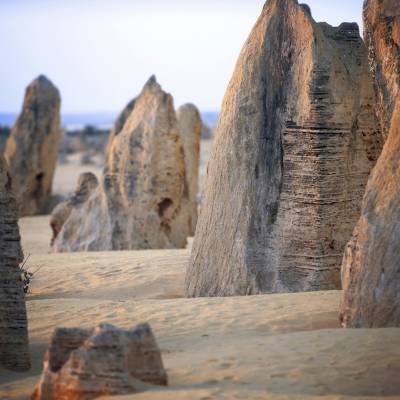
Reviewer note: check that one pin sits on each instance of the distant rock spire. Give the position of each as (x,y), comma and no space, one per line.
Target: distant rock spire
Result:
(32,148)
(141,202)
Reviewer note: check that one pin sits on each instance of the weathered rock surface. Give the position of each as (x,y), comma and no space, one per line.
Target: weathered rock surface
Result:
(13,323)
(141,201)
(32,148)
(85,364)
(382,36)
(190,127)
(119,123)
(87,182)
(371,263)
(296,140)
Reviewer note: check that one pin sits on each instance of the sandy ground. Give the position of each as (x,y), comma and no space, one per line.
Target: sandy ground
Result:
(281,346)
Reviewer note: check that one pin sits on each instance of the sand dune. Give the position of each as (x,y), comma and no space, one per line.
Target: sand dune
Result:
(136,275)
(281,346)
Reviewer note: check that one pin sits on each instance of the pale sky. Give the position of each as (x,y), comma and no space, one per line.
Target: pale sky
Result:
(99,53)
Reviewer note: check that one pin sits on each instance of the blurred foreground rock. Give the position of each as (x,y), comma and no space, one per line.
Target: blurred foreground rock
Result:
(32,148)
(14,353)
(84,364)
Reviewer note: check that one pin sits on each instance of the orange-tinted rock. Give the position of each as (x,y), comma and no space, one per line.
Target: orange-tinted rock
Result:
(382,36)
(84,364)
(371,263)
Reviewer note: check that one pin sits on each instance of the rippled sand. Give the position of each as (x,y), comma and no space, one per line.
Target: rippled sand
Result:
(280,346)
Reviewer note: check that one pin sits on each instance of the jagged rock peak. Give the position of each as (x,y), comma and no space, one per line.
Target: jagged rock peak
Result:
(306,8)
(143,193)
(296,140)
(152,83)
(82,364)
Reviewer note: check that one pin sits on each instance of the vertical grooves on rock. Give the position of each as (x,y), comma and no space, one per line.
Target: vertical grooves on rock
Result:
(294,146)
(371,262)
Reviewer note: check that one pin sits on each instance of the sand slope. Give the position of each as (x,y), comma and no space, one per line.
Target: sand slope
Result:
(281,346)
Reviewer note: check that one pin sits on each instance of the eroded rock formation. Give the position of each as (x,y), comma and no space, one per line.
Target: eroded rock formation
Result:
(84,364)
(87,182)
(371,263)
(119,123)
(141,201)
(190,127)
(382,36)
(296,140)
(13,323)
(32,148)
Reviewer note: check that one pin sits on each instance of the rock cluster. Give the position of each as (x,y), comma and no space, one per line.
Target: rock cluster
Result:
(141,202)
(87,182)
(371,264)
(14,353)
(32,148)
(295,143)
(190,127)
(84,364)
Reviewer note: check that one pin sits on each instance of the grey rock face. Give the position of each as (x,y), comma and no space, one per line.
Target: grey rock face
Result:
(371,263)
(296,140)
(85,364)
(87,182)
(32,148)
(141,201)
(190,127)
(14,353)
